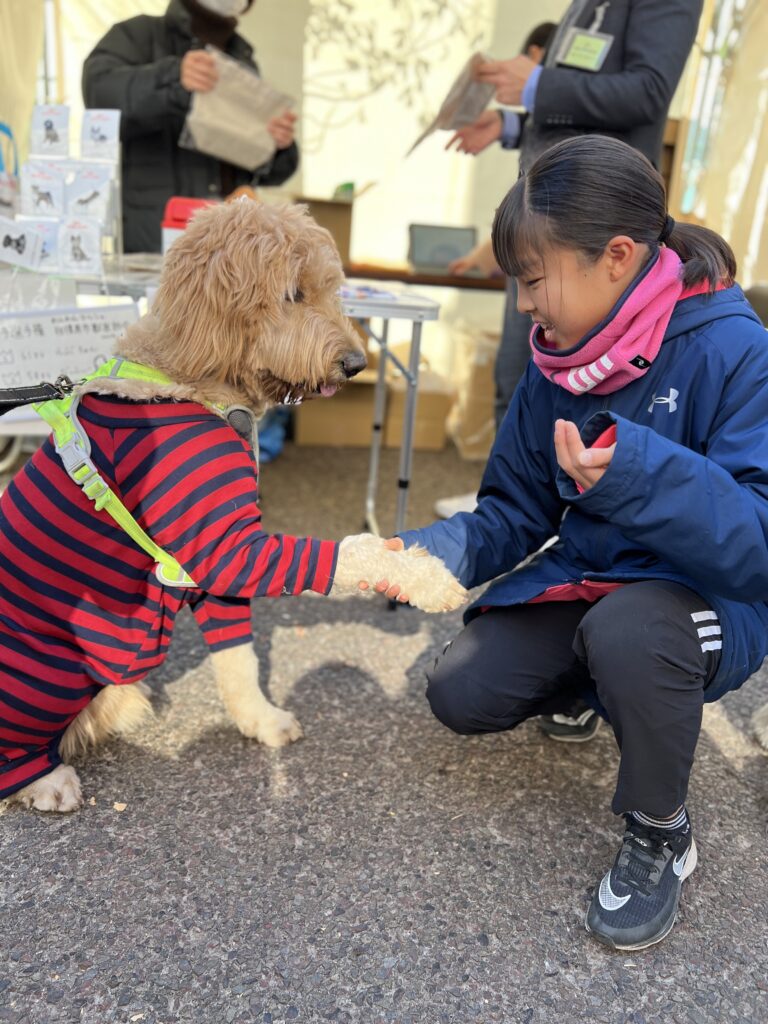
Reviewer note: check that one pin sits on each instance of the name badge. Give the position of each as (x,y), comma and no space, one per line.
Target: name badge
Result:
(583,49)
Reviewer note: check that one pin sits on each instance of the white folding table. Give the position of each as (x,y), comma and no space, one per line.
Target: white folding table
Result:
(364,307)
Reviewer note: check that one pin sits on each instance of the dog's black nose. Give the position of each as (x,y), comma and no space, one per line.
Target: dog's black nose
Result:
(353,362)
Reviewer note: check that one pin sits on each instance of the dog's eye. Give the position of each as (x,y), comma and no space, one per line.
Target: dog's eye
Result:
(298,296)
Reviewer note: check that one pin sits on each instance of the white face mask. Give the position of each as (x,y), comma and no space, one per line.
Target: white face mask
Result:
(226,8)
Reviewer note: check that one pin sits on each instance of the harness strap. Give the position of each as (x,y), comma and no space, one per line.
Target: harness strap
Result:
(73,447)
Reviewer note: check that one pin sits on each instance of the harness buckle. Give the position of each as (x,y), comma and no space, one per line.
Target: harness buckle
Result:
(64,385)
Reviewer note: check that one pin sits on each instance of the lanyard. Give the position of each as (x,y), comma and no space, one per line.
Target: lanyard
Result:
(597,21)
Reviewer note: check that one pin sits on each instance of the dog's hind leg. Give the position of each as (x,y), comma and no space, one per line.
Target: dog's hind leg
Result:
(114,711)
(236,670)
(760,726)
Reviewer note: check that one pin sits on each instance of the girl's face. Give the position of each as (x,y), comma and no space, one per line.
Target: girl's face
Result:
(569,296)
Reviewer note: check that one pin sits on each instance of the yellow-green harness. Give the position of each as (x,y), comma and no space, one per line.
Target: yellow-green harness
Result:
(73,447)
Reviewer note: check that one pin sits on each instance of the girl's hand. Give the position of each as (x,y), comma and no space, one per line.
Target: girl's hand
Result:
(584,465)
(383,587)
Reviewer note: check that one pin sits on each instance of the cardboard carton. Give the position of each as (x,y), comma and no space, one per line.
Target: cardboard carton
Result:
(435,397)
(346,420)
(472,423)
(336,216)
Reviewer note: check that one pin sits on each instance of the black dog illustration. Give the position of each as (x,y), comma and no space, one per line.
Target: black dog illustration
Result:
(42,198)
(19,244)
(51,135)
(85,201)
(78,254)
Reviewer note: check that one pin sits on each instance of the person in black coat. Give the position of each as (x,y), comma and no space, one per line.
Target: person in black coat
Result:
(148,67)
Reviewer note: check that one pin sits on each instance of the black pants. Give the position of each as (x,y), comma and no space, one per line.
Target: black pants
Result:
(645,652)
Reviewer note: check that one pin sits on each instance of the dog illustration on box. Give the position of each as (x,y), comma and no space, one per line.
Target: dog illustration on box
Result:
(19,244)
(84,202)
(145,500)
(42,198)
(50,135)
(76,251)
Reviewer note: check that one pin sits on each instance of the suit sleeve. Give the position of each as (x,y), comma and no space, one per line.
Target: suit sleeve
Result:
(518,504)
(705,512)
(118,74)
(657,40)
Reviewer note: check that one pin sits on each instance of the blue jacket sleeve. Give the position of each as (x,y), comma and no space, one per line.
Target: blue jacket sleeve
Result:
(518,504)
(705,512)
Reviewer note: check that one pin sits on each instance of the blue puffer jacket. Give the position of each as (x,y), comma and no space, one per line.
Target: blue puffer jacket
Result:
(684,498)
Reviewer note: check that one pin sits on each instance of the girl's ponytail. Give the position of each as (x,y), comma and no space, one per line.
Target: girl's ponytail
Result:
(705,255)
(583,192)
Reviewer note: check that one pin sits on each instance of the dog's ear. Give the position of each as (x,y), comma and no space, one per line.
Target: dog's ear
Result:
(212,282)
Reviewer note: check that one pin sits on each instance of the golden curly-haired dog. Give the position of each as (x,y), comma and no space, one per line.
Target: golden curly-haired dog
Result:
(246,316)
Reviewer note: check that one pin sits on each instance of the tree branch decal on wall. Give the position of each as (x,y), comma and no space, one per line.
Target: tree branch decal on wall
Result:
(353,52)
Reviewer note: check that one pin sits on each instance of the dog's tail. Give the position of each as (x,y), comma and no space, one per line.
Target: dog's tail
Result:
(112,712)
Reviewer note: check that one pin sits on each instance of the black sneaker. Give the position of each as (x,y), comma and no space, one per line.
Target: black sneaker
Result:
(635,904)
(579,725)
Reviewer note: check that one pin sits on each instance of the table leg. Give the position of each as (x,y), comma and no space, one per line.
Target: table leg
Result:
(379,403)
(409,416)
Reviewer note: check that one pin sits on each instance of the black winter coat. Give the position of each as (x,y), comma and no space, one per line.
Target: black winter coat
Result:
(136,68)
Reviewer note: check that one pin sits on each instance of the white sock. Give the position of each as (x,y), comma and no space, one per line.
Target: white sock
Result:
(677,823)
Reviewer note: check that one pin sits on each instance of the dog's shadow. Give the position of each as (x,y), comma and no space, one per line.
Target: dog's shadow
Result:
(270,617)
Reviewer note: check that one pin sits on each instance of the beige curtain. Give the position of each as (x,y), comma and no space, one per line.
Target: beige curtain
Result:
(21,48)
(732,191)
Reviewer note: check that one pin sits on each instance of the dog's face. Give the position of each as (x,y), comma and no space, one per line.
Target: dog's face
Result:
(248,297)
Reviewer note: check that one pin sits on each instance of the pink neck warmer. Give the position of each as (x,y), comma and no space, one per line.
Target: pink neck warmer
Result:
(622,348)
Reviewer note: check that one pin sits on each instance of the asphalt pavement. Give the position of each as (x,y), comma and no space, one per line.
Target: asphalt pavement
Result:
(382,869)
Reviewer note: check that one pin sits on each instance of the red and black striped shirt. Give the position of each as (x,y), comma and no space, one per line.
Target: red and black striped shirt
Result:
(80,606)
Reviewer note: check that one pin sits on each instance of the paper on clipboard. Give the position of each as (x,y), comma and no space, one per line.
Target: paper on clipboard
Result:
(465,102)
(230,121)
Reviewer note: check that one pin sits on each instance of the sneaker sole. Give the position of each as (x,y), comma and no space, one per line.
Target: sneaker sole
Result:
(690,864)
(573,739)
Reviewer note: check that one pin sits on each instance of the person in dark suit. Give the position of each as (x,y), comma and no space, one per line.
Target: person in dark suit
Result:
(148,68)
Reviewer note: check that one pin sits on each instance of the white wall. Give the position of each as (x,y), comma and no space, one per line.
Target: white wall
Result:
(275,29)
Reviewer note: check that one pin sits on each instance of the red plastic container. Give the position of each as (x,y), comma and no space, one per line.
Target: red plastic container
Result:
(178,210)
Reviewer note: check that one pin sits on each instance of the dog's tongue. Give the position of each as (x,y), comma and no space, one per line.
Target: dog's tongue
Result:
(328,390)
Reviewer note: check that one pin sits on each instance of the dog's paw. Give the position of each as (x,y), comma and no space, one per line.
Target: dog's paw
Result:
(422,577)
(57,791)
(426,581)
(273,728)
(760,727)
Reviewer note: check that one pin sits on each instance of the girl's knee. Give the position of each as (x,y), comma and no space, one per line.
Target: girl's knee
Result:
(447,696)
(449,692)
